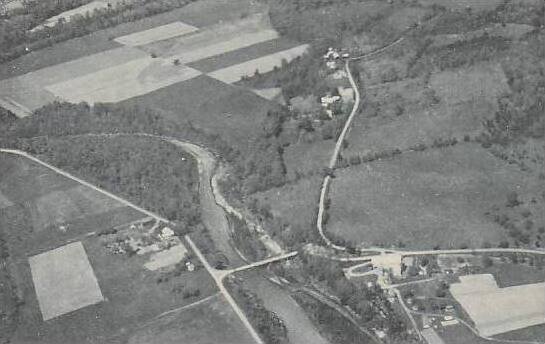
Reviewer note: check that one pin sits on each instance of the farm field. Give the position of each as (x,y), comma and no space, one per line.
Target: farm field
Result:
(466,97)
(263,64)
(528,333)
(212,321)
(459,334)
(156,34)
(308,158)
(199,14)
(122,82)
(423,199)
(496,310)
(230,58)
(214,39)
(232,113)
(294,203)
(114,291)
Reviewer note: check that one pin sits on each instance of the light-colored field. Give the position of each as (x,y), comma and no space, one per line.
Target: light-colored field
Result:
(215,40)
(58,207)
(122,82)
(168,257)
(4,201)
(158,33)
(263,65)
(64,280)
(497,310)
(423,199)
(483,82)
(27,92)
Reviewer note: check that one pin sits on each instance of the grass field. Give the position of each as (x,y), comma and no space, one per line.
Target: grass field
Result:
(158,33)
(64,280)
(308,158)
(232,113)
(497,310)
(215,39)
(212,321)
(294,203)
(423,199)
(460,5)
(199,14)
(485,82)
(230,58)
(527,334)
(122,82)
(132,293)
(262,65)
(465,98)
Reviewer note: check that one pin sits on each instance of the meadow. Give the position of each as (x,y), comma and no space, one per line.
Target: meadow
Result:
(437,197)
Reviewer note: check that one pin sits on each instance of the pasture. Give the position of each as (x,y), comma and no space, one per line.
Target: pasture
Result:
(262,65)
(497,310)
(212,321)
(99,296)
(422,199)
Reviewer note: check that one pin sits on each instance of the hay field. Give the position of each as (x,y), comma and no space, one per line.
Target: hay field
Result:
(64,280)
(212,321)
(122,82)
(497,310)
(423,199)
(263,65)
(158,33)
